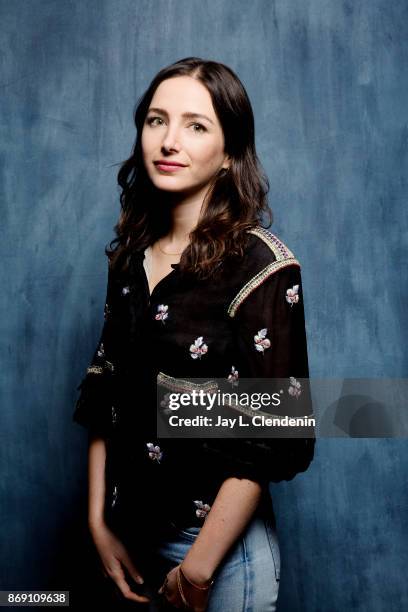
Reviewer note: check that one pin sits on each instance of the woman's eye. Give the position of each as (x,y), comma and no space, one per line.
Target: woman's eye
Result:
(202,128)
(151,119)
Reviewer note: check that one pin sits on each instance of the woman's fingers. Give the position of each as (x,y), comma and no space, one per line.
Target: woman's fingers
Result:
(119,578)
(133,571)
(113,556)
(127,591)
(163,586)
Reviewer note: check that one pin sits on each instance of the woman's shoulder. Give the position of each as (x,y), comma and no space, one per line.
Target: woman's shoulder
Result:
(266,254)
(266,248)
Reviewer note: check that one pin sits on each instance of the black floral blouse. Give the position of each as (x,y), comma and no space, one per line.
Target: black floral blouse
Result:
(249,322)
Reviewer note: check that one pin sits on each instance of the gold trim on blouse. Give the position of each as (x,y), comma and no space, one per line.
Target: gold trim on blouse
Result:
(283,257)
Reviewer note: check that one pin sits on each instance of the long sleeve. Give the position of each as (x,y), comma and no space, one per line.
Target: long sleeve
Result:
(94,408)
(270,343)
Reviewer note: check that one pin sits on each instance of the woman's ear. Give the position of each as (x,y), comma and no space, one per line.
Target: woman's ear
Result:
(228,162)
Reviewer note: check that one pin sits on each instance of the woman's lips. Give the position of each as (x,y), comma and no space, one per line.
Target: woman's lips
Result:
(169,167)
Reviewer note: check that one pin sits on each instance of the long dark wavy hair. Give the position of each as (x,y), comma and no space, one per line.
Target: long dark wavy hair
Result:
(235,201)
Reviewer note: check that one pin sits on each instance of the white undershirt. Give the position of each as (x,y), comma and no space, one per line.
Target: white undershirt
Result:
(147,261)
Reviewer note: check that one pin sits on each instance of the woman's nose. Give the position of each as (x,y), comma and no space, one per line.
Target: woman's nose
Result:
(171,139)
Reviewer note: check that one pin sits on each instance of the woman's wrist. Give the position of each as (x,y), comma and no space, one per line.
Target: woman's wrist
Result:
(197,573)
(198,586)
(95,521)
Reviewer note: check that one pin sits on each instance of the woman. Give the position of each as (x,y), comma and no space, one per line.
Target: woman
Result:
(196,288)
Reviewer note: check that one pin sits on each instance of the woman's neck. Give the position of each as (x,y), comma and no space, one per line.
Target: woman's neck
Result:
(184,218)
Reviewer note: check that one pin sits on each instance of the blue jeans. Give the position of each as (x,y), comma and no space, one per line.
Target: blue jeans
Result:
(247,580)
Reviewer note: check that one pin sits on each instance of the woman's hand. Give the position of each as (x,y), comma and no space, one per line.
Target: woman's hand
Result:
(114,558)
(197,599)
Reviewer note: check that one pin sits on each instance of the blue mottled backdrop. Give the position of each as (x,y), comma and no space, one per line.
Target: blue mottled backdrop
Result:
(329,87)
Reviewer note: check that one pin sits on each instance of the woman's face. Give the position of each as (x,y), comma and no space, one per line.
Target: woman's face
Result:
(173,133)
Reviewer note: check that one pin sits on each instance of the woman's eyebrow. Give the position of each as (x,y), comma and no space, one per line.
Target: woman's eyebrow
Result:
(185,115)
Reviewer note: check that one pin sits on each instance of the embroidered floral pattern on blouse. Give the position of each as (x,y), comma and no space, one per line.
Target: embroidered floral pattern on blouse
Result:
(198,348)
(125,290)
(95,368)
(106,311)
(114,415)
(295,388)
(114,496)
(233,377)
(292,295)
(165,403)
(261,341)
(202,509)
(154,452)
(162,313)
